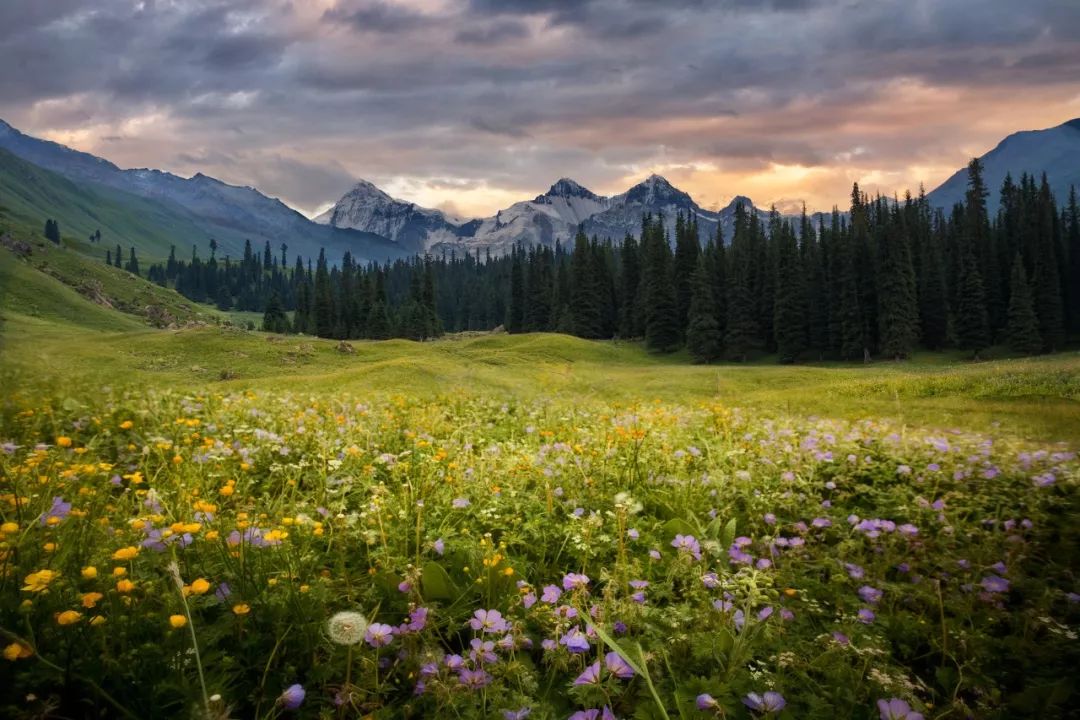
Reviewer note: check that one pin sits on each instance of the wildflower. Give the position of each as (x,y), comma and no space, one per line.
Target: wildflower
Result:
(90,599)
(460,503)
(474,679)
(870,594)
(483,651)
(345,628)
(687,544)
(767,702)
(866,616)
(125,586)
(516,714)
(633,534)
(89,572)
(770,519)
(575,581)
(177,621)
(591,675)
(69,617)
(897,709)
(654,554)
(617,666)
(840,638)
(706,701)
(379,635)
(575,641)
(439,546)
(126,553)
(57,512)
(293,697)
(200,586)
(994,584)
(765,613)
(63,441)
(854,571)
(488,621)
(9,528)
(39,581)
(17,651)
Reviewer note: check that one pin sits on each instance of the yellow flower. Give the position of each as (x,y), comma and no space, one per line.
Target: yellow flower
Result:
(97,620)
(63,441)
(200,586)
(177,621)
(50,547)
(89,572)
(126,553)
(16,651)
(791,592)
(90,599)
(127,425)
(177,459)
(241,609)
(39,581)
(69,617)
(119,571)
(125,586)
(9,528)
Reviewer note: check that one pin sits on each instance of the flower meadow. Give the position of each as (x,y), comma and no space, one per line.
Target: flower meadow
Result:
(273,555)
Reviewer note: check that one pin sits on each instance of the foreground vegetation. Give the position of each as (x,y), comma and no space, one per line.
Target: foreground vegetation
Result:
(169,553)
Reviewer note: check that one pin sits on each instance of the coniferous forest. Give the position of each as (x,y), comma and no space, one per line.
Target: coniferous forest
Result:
(878,281)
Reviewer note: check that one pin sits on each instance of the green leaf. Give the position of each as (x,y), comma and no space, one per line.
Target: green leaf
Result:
(728,536)
(677,526)
(435,583)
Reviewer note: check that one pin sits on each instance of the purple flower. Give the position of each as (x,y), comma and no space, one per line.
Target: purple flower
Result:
(767,702)
(59,510)
(590,714)
(474,679)
(516,714)
(633,534)
(706,701)
(293,697)
(870,594)
(770,519)
(417,620)
(763,564)
(710,580)
(528,600)
(765,613)
(866,616)
(548,644)
(439,546)
(460,503)
(908,530)
(897,709)
(575,581)
(575,641)
(840,638)
(488,621)
(821,522)
(617,666)
(482,651)
(551,594)
(379,635)
(994,584)
(687,544)
(654,554)
(591,676)
(854,571)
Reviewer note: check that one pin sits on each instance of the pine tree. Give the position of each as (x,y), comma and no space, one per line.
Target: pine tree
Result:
(789,324)
(703,335)
(972,326)
(118,256)
(515,318)
(1071,225)
(323,305)
(378,323)
(687,250)
(661,327)
(108,257)
(898,312)
(1046,278)
(584,291)
(741,334)
(1022,329)
(132,265)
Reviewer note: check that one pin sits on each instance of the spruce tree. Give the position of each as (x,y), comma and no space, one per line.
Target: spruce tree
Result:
(687,250)
(703,336)
(323,305)
(1071,225)
(741,332)
(584,290)
(898,313)
(515,315)
(662,331)
(972,326)
(789,323)
(1022,328)
(630,325)
(1046,278)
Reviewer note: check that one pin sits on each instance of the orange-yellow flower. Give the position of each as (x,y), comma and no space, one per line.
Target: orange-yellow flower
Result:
(125,586)
(241,609)
(39,581)
(200,586)
(89,572)
(16,651)
(177,621)
(69,617)
(9,528)
(90,599)
(63,441)
(127,425)
(126,553)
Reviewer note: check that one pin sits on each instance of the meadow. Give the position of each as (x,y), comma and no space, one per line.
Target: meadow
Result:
(206,521)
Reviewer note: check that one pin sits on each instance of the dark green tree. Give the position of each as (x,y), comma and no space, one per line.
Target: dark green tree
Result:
(1022,328)
(703,336)
(898,311)
(789,323)
(972,326)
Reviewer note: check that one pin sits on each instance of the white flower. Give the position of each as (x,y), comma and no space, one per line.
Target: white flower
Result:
(347,628)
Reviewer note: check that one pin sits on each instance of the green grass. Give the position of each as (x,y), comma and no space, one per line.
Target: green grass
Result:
(52,331)
(30,194)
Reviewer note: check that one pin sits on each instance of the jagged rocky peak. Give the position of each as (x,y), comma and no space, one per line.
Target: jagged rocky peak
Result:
(565,187)
(656,190)
(366,189)
(747,203)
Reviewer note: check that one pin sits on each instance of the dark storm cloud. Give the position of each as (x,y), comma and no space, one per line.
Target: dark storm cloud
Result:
(299,97)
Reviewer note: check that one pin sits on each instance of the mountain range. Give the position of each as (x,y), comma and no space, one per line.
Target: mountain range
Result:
(152,209)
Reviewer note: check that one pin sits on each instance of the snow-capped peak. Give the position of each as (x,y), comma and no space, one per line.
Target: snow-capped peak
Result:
(565,187)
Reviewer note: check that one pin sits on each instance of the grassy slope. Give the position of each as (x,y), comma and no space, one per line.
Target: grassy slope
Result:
(53,332)
(31,194)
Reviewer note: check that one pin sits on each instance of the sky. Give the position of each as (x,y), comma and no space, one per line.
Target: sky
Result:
(471,105)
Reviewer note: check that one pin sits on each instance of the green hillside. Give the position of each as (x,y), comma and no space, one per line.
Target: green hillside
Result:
(31,194)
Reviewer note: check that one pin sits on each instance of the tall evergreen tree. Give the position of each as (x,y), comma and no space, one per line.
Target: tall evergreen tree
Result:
(741,327)
(661,322)
(687,250)
(972,325)
(630,325)
(789,324)
(584,290)
(515,317)
(703,336)
(898,312)
(1022,329)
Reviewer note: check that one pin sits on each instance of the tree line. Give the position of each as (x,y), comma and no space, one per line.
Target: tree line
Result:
(880,280)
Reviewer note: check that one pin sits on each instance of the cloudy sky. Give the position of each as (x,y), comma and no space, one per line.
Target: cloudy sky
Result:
(470,105)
